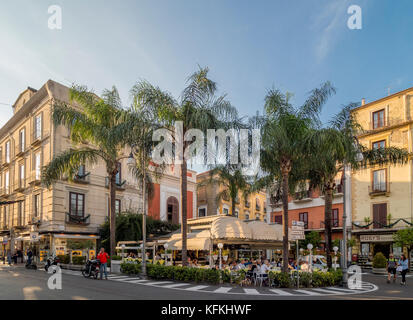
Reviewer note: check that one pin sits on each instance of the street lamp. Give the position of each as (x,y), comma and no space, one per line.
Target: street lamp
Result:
(166,253)
(132,162)
(220,246)
(335,257)
(310,247)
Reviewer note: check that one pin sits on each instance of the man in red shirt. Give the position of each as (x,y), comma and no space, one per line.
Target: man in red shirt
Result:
(103,258)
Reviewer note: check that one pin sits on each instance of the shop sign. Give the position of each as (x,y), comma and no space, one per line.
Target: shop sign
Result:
(5,240)
(34,236)
(376,238)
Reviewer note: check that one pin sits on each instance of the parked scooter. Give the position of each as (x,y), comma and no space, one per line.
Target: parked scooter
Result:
(52,262)
(91,269)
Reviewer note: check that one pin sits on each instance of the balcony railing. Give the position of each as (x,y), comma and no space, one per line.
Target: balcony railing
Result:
(37,138)
(82,178)
(20,184)
(78,220)
(379,189)
(302,196)
(35,178)
(20,150)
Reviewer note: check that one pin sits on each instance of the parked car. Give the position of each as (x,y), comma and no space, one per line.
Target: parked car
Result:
(319,262)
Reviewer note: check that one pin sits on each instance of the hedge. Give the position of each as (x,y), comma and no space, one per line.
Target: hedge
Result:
(212,276)
(64,259)
(79,260)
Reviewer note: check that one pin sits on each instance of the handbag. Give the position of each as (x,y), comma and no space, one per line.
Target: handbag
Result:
(399,269)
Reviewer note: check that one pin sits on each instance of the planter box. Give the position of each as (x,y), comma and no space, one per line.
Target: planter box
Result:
(115,266)
(380,270)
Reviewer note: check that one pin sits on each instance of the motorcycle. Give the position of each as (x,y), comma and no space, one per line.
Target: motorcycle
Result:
(91,269)
(52,262)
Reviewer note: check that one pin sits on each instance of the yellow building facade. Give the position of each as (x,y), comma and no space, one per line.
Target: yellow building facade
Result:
(254,207)
(382,200)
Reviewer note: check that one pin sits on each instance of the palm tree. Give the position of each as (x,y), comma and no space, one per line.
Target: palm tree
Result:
(233,181)
(335,147)
(97,131)
(197,108)
(284,132)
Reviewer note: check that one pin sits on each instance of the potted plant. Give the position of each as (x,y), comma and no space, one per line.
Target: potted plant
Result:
(115,264)
(379,263)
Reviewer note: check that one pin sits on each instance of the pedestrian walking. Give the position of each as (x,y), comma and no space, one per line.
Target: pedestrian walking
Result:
(9,257)
(403,268)
(103,258)
(391,268)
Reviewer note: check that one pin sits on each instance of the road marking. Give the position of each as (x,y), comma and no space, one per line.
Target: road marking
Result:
(222,290)
(117,277)
(155,283)
(327,291)
(197,288)
(251,291)
(310,293)
(137,281)
(175,285)
(281,292)
(343,289)
(126,280)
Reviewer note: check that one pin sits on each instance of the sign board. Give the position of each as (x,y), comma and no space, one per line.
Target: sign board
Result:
(296,232)
(5,240)
(34,236)
(376,238)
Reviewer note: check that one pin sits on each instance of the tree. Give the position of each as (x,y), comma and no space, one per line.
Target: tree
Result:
(97,131)
(332,149)
(404,238)
(284,135)
(197,108)
(312,237)
(233,182)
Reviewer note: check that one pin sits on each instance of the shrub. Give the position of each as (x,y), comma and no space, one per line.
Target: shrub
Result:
(79,260)
(281,279)
(116,257)
(64,259)
(379,260)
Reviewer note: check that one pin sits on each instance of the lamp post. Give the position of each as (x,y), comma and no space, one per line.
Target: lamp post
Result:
(132,162)
(123,252)
(335,257)
(220,246)
(310,247)
(166,253)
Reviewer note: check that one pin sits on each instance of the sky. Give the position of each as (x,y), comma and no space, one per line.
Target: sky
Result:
(249,47)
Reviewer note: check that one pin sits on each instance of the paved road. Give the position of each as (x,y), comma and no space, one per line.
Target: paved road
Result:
(19,283)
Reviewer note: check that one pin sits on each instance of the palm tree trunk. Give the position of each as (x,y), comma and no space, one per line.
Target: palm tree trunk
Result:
(328,208)
(144,224)
(285,172)
(233,207)
(184,211)
(112,213)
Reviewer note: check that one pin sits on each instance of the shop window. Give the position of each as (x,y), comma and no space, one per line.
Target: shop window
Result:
(225,211)
(201,212)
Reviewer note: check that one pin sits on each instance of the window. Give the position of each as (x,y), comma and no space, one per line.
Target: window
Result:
(6,181)
(247,216)
(119,174)
(379,144)
(38,127)
(278,219)
(303,216)
(379,215)
(7,152)
(77,204)
(202,212)
(36,205)
(378,119)
(20,212)
(21,175)
(379,180)
(335,220)
(118,206)
(225,211)
(82,171)
(37,166)
(22,140)
(5,216)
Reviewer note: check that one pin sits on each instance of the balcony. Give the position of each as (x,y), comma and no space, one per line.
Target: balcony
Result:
(379,189)
(34,220)
(120,186)
(77,220)
(38,138)
(35,178)
(20,150)
(302,196)
(20,185)
(396,223)
(82,178)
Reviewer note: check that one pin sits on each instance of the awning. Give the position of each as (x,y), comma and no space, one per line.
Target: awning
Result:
(263,231)
(195,241)
(224,227)
(76,236)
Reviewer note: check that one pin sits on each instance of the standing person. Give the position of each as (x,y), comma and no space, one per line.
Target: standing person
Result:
(9,257)
(391,268)
(29,256)
(103,258)
(404,266)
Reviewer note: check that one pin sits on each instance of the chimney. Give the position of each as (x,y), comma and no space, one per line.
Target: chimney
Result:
(363,101)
